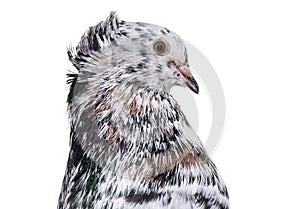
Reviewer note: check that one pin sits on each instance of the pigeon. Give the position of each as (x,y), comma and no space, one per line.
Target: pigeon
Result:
(131,146)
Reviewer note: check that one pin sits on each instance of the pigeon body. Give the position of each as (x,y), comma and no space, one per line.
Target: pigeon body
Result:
(130,143)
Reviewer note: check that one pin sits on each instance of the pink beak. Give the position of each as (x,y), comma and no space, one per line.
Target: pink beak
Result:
(189,79)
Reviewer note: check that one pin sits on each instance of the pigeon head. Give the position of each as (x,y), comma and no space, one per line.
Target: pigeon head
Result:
(134,54)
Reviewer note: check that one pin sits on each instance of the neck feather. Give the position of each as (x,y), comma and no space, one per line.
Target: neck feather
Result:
(135,127)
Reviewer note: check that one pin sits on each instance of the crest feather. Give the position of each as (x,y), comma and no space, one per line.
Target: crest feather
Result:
(95,39)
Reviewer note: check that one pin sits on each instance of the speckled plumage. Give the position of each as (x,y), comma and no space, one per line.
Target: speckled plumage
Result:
(130,143)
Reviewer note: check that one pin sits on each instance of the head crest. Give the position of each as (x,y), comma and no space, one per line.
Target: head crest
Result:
(94,39)
(95,36)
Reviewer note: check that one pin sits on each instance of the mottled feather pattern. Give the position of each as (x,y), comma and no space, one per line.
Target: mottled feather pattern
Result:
(131,145)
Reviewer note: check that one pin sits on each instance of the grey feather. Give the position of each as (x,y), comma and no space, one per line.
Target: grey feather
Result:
(131,145)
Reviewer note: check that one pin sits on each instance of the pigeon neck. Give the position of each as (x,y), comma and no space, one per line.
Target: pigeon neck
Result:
(144,116)
(148,128)
(138,121)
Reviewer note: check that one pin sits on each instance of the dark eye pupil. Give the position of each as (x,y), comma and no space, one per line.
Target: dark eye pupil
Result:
(160,47)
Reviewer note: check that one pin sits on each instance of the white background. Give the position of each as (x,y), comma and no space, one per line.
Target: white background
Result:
(253,45)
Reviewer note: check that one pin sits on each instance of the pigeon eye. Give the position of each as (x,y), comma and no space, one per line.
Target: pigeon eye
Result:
(160,47)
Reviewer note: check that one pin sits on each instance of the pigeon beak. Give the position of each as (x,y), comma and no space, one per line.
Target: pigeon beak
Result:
(189,79)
